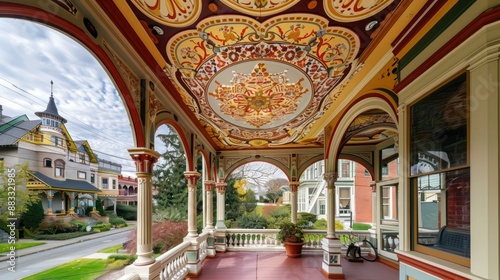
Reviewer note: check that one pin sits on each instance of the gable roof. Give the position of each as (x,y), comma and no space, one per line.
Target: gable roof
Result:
(68,184)
(84,146)
(15,128)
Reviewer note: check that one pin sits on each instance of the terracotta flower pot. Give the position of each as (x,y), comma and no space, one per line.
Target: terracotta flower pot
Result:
(293,249)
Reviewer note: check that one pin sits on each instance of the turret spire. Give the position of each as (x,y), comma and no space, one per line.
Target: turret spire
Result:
(51,88)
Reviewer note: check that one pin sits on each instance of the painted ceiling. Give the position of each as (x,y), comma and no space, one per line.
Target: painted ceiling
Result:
(258,73)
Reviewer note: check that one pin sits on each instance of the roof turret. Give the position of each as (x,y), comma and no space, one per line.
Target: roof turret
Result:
(51,111)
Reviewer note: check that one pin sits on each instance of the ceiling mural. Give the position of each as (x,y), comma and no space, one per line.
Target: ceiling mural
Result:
(260,73)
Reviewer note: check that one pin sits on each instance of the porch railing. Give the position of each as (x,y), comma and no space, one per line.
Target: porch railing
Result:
(260,239)
(174,264)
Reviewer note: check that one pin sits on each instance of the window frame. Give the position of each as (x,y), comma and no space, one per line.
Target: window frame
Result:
(59,168)
(413,179)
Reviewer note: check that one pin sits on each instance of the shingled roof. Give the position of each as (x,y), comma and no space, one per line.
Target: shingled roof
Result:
(68,184)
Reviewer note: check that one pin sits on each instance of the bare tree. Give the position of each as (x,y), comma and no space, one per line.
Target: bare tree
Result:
(257,173)
(275,191)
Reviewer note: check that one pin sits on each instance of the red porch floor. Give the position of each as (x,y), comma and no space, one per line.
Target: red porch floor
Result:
(276,265)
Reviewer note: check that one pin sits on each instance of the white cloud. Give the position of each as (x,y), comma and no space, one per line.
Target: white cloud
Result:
(31,56)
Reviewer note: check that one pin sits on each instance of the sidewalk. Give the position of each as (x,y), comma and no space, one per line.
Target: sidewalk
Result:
(52,244)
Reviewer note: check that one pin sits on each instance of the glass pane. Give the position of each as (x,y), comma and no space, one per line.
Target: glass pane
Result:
(438,129)
(443,202)
(390,202)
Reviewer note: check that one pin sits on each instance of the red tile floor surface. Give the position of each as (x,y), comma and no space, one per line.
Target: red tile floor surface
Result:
(276,265)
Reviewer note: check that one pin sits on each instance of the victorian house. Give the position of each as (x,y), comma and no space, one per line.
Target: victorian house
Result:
(291,83)
(62,171)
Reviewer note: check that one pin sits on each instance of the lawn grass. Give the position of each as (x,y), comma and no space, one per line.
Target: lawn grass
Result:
(5,247)
(79,269)
(112,249)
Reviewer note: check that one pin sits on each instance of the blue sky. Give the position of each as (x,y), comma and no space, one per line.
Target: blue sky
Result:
(31,56)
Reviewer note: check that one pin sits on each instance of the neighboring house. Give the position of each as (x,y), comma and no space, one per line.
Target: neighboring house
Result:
(127,187)
(107,182)
(353,192)
(61,169)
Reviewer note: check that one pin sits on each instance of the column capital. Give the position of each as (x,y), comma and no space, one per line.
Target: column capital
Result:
(330,178)
(294,186)
(373,185)
(209,185)
(144,159)
(192,177)
(221,187)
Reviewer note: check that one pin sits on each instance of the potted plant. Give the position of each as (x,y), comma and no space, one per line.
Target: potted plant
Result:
(292,236)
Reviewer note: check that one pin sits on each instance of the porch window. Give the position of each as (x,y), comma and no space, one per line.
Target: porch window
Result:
(440,175)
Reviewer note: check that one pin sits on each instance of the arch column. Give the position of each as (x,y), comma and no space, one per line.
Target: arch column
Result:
(294,186)
(192,177)
(209,216)
(144,160)
(220,234)
(331,245)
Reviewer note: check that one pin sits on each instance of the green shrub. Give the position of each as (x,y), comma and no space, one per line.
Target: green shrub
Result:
(170,214)
(34,216)
(127,212)
(81,225)
(252,220)
(101,227)
(320,224)
(361,226)
(306,220)
(99,207)
(117,222)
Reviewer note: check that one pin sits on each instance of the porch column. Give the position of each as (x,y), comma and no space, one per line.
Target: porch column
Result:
(50,196)
(144,160)
(331,245)
(63,203)
(209,217)
(209,186)
(294,186)
(220,233)
(192,177)
(72,196)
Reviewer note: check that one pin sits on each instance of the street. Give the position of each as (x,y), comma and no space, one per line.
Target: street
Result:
(34,263)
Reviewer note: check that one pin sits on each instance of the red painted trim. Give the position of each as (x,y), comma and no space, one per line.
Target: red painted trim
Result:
(354,102)
(487,17)
(126,29)
(41,16)
(417,23)
(185,143)
(435,271)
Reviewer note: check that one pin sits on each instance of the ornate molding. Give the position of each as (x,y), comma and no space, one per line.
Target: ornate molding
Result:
(330,178)
(192,177)
(144,159)
(285,159)
(209,185)
(131,80)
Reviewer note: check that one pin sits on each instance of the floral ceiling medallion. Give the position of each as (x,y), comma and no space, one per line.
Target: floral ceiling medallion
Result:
(260,97)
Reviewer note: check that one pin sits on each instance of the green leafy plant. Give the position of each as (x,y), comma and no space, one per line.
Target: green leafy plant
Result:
(290,232)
